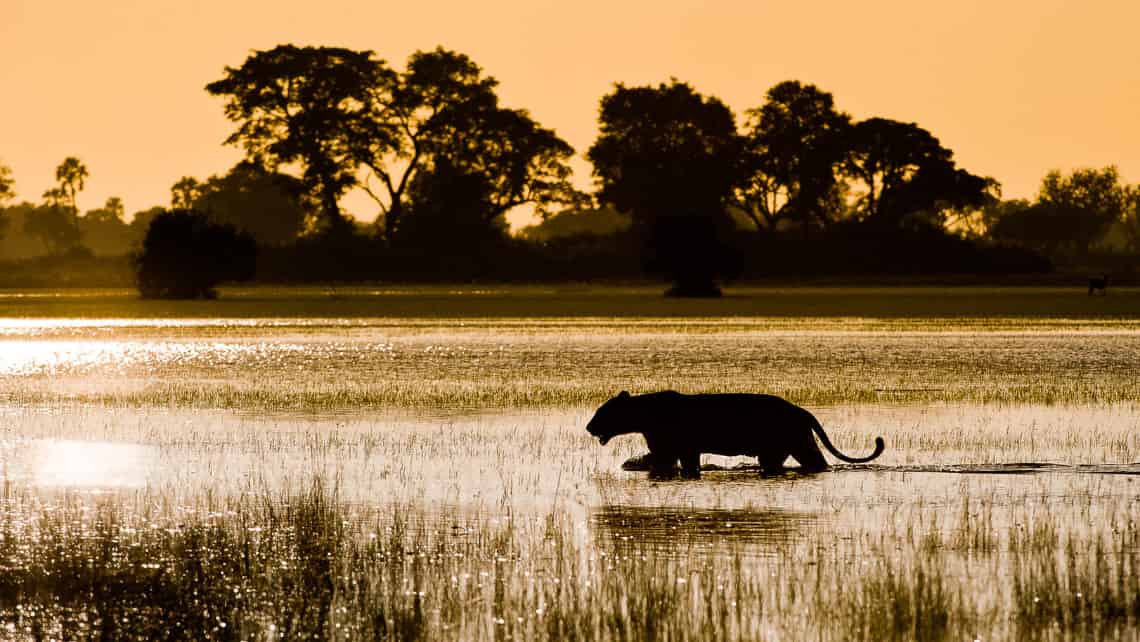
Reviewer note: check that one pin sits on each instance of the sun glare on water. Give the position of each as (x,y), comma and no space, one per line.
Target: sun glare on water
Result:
(53,463)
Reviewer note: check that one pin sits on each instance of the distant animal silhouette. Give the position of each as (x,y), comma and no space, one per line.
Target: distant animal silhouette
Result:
(1099,283)
(680,427)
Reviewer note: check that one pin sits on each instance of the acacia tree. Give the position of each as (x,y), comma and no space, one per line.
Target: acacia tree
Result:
(794,146)
(670,157)
(418,104)
(309,106)
(442,115)
(517,161)
(904,177)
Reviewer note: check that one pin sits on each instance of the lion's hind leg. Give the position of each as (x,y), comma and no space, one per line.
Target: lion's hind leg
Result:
(691,465)
(809,457)
(662,465)
(771,464)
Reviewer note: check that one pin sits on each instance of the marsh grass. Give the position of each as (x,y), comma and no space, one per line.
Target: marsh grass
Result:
(356,472)
(380,365)
(317,398)
(297,566)
(243,527)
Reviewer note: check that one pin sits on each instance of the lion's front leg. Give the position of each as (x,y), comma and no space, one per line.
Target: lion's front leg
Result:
(662,465)
(662,456)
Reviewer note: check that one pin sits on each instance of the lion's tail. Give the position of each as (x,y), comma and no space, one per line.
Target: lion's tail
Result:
(879,446)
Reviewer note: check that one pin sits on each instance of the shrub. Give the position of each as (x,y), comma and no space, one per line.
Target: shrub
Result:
(185,256)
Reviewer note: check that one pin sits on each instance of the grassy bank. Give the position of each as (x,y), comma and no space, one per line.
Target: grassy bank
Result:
(533,301)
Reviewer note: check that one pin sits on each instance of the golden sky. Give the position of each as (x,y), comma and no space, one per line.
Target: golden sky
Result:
(1015,88)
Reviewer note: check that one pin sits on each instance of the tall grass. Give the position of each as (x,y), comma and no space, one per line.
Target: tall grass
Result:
(370,530)
(430,478)
(296,567)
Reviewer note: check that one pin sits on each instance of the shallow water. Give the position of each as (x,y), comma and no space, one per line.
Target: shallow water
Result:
(301,365)
(993,429)
(459,468)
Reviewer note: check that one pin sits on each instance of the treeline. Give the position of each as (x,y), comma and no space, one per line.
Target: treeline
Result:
(683,188)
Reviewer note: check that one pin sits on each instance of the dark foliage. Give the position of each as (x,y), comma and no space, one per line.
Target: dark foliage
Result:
(670,157)
(905,178)
(443,114)
(268,205)
(56,226)
(451,212)
(691,251)
(306,105)
(859,249)
(185,256)
(794,145)
(1071,214)
(851,249)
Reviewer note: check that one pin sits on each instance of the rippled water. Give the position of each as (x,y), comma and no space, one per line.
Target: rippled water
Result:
(581,360)
(464,423)
(529,462)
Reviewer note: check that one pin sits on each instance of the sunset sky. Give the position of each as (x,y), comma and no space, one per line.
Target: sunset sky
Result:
(1014,88)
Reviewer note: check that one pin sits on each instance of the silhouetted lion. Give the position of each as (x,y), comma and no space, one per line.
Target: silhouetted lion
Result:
(681,427)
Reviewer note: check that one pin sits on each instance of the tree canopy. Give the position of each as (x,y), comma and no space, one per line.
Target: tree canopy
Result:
(1131,221)
(794,146)
(7,185)
(306,105)
(670,157)
(1070,214)
(665,148)
(904,177)
(268,205)
(445,162)
(7,193)
(185,256)
(55,226)
(332,111)
(442,115)
(56,222)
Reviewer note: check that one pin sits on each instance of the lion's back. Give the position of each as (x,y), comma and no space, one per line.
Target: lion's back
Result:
(723,423)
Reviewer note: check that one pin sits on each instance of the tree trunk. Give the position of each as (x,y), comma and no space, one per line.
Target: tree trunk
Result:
(392,219)
(694,288)
(335,223)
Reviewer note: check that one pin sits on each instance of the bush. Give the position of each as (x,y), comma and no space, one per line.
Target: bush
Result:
(184,256)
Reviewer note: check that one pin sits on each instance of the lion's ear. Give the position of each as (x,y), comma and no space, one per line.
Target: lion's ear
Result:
(624,394)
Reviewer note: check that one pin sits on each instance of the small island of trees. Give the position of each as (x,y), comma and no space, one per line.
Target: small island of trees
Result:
(684,189)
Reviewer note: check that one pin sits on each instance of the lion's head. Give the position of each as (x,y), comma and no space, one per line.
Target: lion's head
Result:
(612,419)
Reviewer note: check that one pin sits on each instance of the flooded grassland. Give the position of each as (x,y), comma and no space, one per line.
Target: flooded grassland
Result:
(380,471)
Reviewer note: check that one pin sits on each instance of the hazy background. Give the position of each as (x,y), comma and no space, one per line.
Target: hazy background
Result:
(1014,89)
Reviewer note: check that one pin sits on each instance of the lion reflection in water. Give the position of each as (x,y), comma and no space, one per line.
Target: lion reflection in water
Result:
(680,427)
